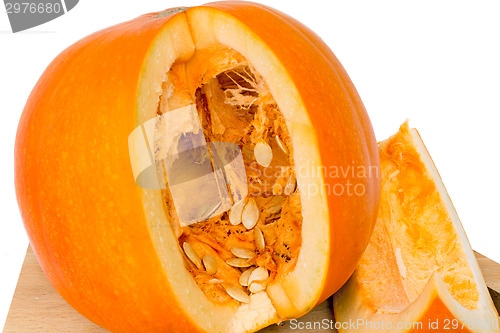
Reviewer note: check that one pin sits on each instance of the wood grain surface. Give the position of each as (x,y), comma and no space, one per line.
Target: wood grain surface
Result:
(37,307)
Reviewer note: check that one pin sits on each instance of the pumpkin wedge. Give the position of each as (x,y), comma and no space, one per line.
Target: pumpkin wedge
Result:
(418,273)
(123,229)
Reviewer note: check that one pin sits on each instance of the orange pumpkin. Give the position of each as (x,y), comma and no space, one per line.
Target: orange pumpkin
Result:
(111,248)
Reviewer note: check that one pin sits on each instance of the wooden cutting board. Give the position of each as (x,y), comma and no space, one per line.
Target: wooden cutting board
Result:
(37,307)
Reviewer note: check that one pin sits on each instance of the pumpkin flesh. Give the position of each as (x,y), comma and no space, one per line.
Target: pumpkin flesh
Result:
(418,267)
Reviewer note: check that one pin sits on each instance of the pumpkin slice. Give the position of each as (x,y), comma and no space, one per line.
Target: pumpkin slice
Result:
(418,272)
(133,255)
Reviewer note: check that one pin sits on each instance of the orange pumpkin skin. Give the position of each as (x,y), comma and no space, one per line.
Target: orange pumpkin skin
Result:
(77,194)
(75,188)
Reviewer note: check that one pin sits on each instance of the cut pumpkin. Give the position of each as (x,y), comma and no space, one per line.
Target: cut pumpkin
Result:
(418,273)
(239,73)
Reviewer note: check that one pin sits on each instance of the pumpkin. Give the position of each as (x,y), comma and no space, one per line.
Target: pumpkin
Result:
(418,273)
(131,254)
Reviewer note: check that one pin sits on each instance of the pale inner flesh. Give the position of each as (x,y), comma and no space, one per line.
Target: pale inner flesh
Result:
(413,238)
(234,105)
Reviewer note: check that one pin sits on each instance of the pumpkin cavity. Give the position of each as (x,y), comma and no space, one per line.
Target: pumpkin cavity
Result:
(244,249)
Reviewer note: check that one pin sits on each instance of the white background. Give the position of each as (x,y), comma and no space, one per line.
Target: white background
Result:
(434,62)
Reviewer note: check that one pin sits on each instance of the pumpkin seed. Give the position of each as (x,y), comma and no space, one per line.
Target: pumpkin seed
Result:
(238,262)
(242,253)
(245,275)
(260,242)
(277,189)
(235,212)
(256,287)
(274,205)
(192,254)
(263,153)
(273,209)
(281,145)
(290,186)
(210,264)
(236,293)
(259,274)
(250,214)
